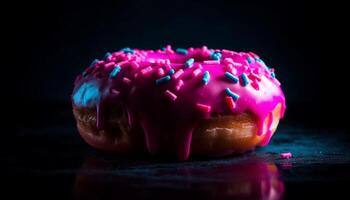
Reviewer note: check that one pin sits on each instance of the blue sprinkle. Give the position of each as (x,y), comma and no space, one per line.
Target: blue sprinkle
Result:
(232,94)
(206,78)
(107,55)
(273,74)
(93,62)
(171,71)
(163,48)
(163,80)
(127,50)
(115,71)
(232,77)
(88,94)
(245,80)
(181,51)
(84,74)
(189,62)
(250,60)
(216,56)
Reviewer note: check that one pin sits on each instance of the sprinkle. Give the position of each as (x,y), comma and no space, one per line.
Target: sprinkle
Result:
(101,62)
(273,74)
(171,72)
(107,55)
(203,108)
(254,76)
(245,80)
(228,61)
(196,72)
(114,92)
(286,155)
(206,78)
(126,80)
(255,85)
(160,71)
(170,95)
(232,94)
(163,80)
(111,64)
(211,62)
(127,50)
(250,60)
(93,62)
(236,64)
(181,51)
(134,65)
(231,104)
(146,70)
(178,73)
(115,71)
(179,84)
(232,77)
(189,63)
(227,52)
(163,48)
(253,55)
(216,55)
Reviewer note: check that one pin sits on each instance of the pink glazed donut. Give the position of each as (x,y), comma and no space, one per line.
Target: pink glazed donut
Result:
(198,101)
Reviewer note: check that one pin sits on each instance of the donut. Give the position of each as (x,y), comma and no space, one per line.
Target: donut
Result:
(198,101)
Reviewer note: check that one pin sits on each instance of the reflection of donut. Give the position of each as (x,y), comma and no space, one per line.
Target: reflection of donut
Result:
(98,179)
(213,102)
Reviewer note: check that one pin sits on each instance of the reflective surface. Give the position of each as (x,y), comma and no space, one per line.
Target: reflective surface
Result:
(50,161)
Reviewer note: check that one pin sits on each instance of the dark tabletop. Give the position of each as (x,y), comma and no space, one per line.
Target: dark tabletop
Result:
(46,159)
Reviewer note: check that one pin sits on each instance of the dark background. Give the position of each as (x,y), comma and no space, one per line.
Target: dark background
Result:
(304,41)
(46,45)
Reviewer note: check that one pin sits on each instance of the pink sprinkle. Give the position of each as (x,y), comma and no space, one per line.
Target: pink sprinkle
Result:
(111,64)
(118,53)
(254,76)
(228,61)
(253,55)
(236,64)
(123,63)
(255,85)
(160,71)
(134,65)
(168,49)
(203,108)
(115,92)
(198,65)
(227,52)
(286,155)
(160,62)
(231,104)
(179,84)
(170,95)
(101,62)
(211,62)
(196,72)
(178,73)
(146,70)
(234,71)
(126,80)
(228,67)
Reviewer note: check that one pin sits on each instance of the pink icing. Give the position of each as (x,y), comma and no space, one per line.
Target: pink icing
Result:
(169,109)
